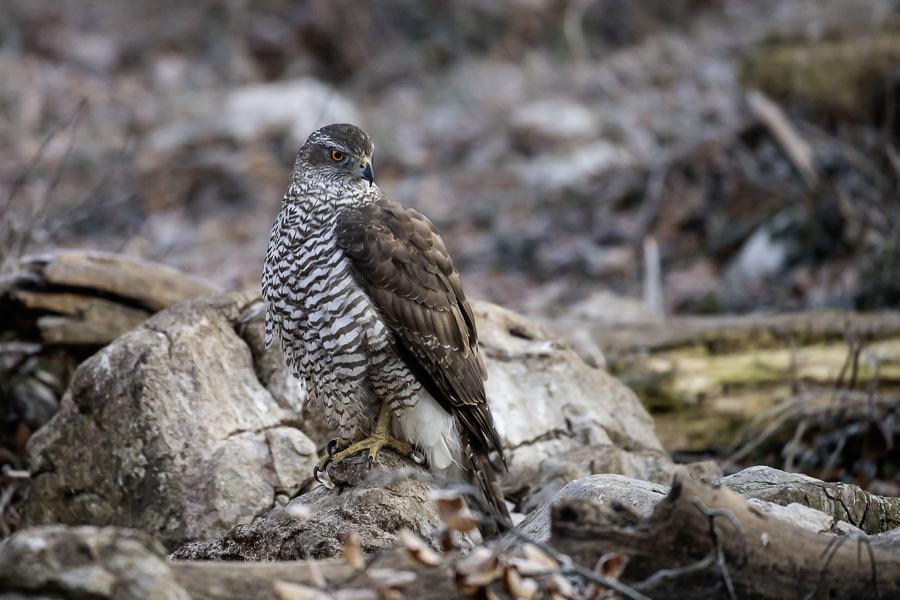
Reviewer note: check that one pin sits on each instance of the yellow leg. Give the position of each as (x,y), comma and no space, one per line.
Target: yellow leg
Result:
(380,438)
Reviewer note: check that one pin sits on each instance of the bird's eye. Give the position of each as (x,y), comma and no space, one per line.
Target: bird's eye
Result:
(338,156)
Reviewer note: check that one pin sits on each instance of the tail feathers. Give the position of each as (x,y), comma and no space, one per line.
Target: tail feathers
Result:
(482,472)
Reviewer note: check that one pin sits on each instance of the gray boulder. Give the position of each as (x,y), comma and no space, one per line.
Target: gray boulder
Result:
(170,430)
(632,499)
(547,402)
(555,472)
(394,496)
(790,497)
(840,502)
(85,562)
(187,426)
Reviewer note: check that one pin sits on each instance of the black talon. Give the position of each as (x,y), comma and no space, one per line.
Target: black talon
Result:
(371,458)
(324,469)
(329,448)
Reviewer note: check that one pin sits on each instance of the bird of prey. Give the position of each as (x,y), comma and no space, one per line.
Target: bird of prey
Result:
(372,315)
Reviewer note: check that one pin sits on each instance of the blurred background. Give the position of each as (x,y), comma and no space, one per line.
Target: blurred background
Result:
(602,161)
(546,138)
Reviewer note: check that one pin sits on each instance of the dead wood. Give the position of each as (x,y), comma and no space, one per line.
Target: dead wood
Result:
(239,581)
(796,148)
(81,319)
(735,331)
(150,285)
(90,298)
(703,542)
(707,377)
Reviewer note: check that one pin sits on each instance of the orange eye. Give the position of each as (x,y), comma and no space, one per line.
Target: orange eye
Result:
(338,156)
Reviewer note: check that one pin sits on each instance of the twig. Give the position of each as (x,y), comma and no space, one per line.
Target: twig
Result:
(664,575)
(653,287)
(646,214)
(893,157)
(32,165)
(830,551)
(790,448)
(5,498)
(716,534)
(572,30)
(570,566)
(868,545)
(41,211)
(797,149)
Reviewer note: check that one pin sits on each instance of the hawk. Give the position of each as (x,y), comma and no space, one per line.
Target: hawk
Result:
(372,315)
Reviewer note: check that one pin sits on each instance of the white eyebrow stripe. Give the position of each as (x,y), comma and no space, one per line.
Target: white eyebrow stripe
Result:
(325,140)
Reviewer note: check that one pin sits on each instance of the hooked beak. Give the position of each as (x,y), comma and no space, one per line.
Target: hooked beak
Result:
(366,172)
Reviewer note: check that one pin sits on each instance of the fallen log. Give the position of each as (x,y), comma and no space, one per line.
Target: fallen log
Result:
(72,298)
(704,542)
(719,333)
(151,285)
(239,581)
(81,320)
(705,378)
(698,542)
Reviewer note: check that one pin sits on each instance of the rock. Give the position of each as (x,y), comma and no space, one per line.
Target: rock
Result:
(764,256)
(575,169)
(553,122)
(296,107)
(768,489)
(188,426)
(547,402)
(86,562)
(555,472)
(151,285)
(840,501)
(805,517)
(761,256)
(609,308)
(633,499)
(170,430)
(392,497)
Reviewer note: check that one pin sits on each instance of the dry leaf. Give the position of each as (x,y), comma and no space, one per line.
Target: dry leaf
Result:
(295,591)
(611,565)
(418,549)
(534,553)
(448,544)
(515,586)
(528,568)
(386,593)
(353,554)
(454,512)
(559,586)
(392,578)
(477,570)
(356,594)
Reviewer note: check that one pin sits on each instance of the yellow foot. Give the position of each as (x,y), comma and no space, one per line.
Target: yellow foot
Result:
(380,438)
(374,444)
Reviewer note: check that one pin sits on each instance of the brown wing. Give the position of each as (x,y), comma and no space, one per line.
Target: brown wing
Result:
(403,265)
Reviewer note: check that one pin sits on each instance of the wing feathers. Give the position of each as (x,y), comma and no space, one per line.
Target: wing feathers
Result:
(404,266)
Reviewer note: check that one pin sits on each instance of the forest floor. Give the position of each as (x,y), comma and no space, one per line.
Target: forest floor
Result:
(609,163)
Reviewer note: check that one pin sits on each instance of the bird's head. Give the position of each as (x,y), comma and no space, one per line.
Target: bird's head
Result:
(340,151)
